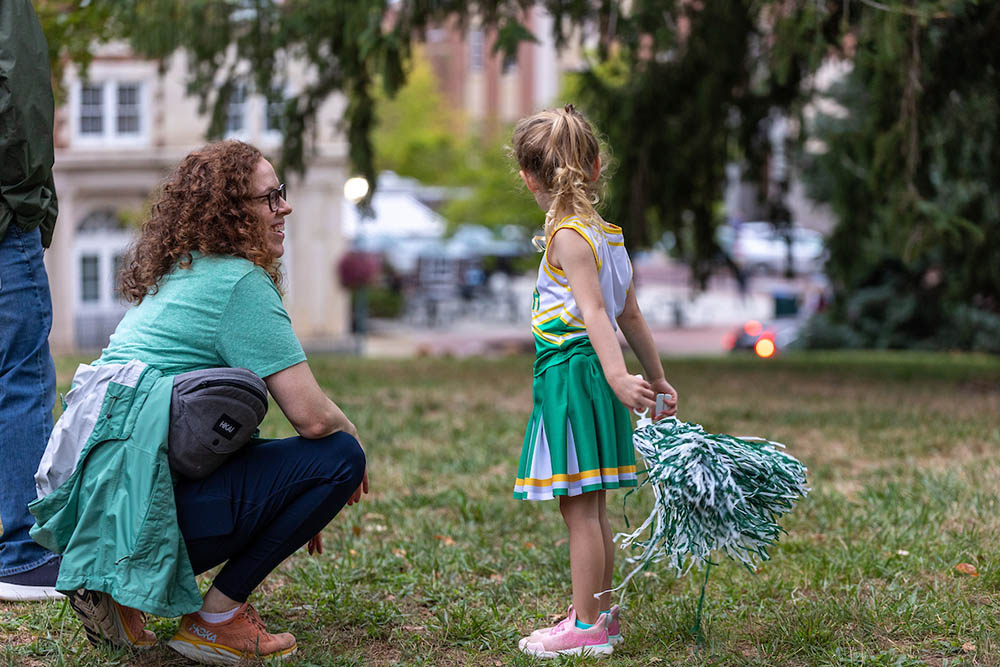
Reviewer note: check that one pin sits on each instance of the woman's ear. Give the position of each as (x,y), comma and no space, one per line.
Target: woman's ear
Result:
(529,180)
(596,171)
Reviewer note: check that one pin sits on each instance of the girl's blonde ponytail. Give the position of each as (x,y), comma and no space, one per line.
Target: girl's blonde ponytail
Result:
(559,149)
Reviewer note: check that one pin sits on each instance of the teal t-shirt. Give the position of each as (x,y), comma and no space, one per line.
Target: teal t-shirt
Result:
(223,311)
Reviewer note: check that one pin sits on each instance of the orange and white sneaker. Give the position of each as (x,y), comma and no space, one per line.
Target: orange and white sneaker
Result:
(242,636)
(106,621)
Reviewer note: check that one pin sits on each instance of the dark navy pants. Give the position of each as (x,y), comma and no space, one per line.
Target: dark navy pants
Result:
(263,504)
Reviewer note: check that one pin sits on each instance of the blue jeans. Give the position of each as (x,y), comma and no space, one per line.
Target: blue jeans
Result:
(27,392)
(263,504)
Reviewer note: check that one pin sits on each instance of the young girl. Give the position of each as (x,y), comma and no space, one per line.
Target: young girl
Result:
(579,440)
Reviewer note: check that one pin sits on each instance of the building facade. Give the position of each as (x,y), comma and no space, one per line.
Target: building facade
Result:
(493,90)
(122,129)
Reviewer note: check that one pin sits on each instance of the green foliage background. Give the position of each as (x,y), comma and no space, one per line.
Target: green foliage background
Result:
(911,172)
(419,136)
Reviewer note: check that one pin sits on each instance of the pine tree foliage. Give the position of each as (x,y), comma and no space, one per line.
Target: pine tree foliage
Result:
(348,48)
(687,88)
(912,170)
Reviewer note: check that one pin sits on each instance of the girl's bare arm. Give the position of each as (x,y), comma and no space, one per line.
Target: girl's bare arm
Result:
(575,257)
(640,339)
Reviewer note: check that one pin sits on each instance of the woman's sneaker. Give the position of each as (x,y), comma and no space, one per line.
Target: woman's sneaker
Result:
(242,636)
(564,638)
(107,622)
(614,626)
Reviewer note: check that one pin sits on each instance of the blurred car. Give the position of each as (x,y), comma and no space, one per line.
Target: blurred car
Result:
(765,339)
(757,247)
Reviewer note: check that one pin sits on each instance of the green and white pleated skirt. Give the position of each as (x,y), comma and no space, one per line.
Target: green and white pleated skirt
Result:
(579,437)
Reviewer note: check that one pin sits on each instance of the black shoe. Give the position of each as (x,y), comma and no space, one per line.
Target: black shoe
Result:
(36,584)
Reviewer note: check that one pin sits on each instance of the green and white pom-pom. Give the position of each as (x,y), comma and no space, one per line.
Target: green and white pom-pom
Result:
(712,493)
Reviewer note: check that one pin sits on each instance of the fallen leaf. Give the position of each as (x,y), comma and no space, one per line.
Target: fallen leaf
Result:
(967,568)
(529,545)
(372,516)
(968,647)
(413,628)
(445,540)
(655,659)
(496,577)
(353,552)
(356,529)
(399,552)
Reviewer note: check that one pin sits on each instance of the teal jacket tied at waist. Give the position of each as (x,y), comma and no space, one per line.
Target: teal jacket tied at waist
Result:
(114,519)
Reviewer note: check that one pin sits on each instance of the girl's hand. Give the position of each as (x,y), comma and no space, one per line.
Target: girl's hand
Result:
(633,391)
(315,544)
(661,386)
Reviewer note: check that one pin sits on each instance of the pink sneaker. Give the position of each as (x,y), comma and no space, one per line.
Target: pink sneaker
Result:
(614,627)
(564,638)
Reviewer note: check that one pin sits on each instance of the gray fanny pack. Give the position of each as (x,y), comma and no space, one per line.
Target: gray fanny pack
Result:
(213,413)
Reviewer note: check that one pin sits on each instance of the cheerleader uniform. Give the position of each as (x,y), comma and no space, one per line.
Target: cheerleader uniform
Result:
(579,437)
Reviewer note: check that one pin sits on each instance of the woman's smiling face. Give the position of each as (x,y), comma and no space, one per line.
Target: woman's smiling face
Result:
(264,181)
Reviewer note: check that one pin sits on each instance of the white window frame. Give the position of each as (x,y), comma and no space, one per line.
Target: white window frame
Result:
(477,50)
(244,132)
(109,136)
(268,135)
(104,245)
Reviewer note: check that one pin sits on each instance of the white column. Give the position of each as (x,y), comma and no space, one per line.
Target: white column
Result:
(318,306)
(58,266)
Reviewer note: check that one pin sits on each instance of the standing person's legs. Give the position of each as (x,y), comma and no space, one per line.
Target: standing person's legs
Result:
(586,552)
(585,630)
(254,512)
(604,603)
(27,394)
(614,625)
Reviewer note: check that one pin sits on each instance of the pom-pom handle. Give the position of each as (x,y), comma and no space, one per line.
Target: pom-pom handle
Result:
(643,416)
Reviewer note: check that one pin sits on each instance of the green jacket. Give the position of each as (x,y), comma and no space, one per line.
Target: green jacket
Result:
(112,513)
(27,191)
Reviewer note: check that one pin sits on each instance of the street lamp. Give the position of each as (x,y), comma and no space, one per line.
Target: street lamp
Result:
(358,267)
(355,189)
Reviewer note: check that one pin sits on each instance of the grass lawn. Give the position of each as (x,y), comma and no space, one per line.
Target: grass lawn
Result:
(439,565)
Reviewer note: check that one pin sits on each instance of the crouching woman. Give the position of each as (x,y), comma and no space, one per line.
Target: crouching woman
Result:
(204,280)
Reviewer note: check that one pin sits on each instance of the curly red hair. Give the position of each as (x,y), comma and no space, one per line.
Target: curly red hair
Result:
(203,206)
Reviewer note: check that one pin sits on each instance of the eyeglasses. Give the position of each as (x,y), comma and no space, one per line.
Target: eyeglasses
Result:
(274,197)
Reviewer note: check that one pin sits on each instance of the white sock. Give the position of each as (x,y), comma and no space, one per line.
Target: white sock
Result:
(220,617)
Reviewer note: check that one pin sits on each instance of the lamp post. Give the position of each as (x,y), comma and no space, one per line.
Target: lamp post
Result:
(356,269)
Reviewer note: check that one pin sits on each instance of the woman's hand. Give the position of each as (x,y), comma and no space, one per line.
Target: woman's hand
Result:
(633,391)
(661,386)
(356,496)
(315,544)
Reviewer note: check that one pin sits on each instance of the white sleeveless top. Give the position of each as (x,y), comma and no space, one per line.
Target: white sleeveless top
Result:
(555,316)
